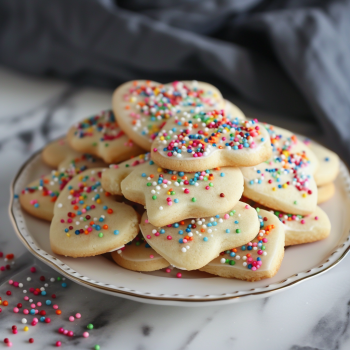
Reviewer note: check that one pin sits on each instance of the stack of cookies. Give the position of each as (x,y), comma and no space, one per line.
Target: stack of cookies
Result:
(177,176)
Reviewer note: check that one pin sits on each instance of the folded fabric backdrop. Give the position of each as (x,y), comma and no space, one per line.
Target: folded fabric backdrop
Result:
(291,57)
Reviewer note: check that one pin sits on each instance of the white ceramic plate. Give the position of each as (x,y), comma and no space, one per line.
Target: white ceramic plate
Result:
(194,288)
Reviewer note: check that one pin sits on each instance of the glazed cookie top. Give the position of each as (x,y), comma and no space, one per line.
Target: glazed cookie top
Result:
(142,107)
(101,135)
(195,141)
(191,244)
(232,111)
(170,196)
(259,253)
(285,181)
(88,220)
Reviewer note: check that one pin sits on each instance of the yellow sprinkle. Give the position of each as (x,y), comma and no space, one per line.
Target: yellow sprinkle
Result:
(159,170)
(273,188)
(26,329)
(142,156)
(304,195)
(284,185)
(0,302)
(162,138)
(98,201)
(68,234)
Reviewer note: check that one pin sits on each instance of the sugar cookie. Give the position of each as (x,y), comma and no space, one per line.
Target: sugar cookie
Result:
(101,135)
(232,111)
(88,221)
(39,197)
(328,163)
(285,181)
(205,140)
(171,196)
(261,258)
(142,107)
(59,155)
(138,255)
(193,243)
(325,192)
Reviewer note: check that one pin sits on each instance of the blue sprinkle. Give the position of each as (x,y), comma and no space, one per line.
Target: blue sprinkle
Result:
(181,232)
(143,175)
(162,231)
(205,239)
(176,200)
(232,254)
(42,318)
(43,293)
(228,230)
(222,174)
(48,302)
(116,232)
(64,285)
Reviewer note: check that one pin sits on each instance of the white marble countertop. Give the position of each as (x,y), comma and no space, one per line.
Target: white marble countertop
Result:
(312,315)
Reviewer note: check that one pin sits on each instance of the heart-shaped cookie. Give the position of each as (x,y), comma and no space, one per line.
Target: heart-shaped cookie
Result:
(205,140)
(285,181)
(39,197)
(59,155)
(328,168)
(142,107)
(192,243)
(138,255)
(171,196)
(88,221)
(261,258)
(101,135)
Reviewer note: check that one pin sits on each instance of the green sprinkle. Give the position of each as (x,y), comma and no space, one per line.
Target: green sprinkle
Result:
(232,262)
(238,230)
(295,202)
(59,278)
(154,197)
(232,212)
(106,144)
(138,243)
(127,165)
(100,234)
(258,209)
(90,326)
(211,184)
(94,144)
(149,184)
(97,347)
(193,199)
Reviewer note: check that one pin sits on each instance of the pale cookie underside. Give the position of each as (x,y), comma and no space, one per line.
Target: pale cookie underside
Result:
(207,202)
(124,219)
(271,262)
(139,258)
(58,151)
(122,114)
(325,192)
(201,251)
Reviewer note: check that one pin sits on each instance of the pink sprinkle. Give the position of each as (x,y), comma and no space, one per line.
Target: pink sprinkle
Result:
(86,334)
(35,320)
(316,217)
(15,284)
(179,275)
(169,238)
(15,310)
(38,303)
(151,256)
(226,216)
(146,221)
(71,318)
(10,282)
(58,343)
(170,203)
(167,270)
(26,298)
(148,237)
(65,331)
(253,268)
(302,221)
(32,306)
(155,149)
(26,311)
(9,344)
(157,234)
(60,330)
(55,307)
(247,206)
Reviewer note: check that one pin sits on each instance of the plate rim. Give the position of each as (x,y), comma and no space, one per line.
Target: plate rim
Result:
(181,300)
